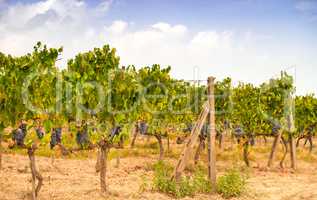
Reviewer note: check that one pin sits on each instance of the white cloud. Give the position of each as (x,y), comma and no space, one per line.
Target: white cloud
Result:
(209,39)
(68,23)
(247,56)
(167,28)
(117,27)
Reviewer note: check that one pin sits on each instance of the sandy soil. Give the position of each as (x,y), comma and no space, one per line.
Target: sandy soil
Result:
(77,180)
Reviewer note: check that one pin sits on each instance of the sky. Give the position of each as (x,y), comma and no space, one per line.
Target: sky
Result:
(247,40)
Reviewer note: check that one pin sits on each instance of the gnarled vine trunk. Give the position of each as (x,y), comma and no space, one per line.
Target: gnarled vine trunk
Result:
(232,140)
(168,143)
(221,141)
(97,166)
(134,136)
(103,165)
(118,161)
(246,153)
(285,144)
(277,139)
(0,151)
(159,140)
(265,140)
(310,140)
(35,173)
(298,140)
(200,148)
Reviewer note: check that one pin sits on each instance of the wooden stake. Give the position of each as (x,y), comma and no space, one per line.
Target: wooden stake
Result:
(293,152)
(291,130)
(190,143)
(212,134)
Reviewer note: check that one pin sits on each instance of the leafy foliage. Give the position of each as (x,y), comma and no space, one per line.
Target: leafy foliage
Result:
(94,88)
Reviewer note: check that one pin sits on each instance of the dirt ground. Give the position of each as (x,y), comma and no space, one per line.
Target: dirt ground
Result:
(76,179)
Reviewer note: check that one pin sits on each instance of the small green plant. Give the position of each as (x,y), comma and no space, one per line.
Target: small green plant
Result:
(162,180)
(232,184)
(187,186)
(144,185)
(201,182)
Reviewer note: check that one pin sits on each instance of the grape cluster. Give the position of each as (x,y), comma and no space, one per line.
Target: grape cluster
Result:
(82,137)
(189,128)
(39,133)
(204,131)
(252,140)
(276,129)
(226,124)
(19,135)
(114,131)
(143,128)
(311,129)
(238,132)
(56,137)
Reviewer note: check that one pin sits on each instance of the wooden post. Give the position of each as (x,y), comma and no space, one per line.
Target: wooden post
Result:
(292,144)
(291,130)
(190,143)
(212,134)
(293,152)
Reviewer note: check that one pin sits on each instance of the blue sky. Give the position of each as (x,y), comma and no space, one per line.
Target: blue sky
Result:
(249,40)
(262,15)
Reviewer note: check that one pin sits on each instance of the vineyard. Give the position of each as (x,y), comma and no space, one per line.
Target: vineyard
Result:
(80,121)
